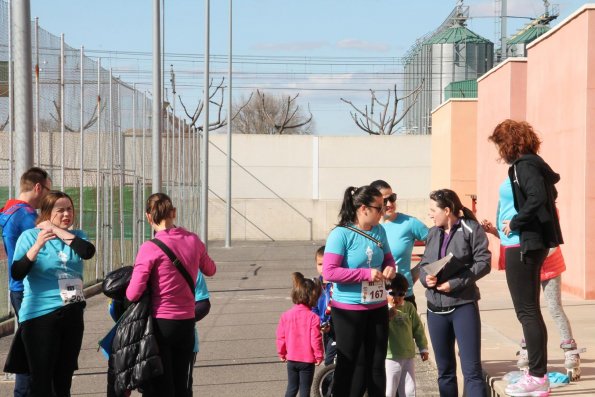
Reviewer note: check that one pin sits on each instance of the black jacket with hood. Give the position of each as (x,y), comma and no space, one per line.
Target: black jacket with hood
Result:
(535,195)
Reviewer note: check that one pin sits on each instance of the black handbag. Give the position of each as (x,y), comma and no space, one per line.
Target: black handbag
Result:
(115,283)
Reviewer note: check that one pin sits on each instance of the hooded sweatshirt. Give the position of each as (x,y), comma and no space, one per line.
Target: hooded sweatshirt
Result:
(535,197)
(16,217)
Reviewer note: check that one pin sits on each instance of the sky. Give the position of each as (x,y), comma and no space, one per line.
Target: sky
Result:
(322,50)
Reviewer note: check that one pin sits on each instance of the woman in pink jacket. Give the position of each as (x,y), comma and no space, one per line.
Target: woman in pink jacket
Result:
(172,296)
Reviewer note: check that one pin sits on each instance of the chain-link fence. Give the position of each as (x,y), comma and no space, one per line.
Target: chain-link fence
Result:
(92,133)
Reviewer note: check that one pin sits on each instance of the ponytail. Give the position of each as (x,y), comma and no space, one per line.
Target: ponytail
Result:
(347,213)
(305,291)
(446,198)
(353,198)
(468,214)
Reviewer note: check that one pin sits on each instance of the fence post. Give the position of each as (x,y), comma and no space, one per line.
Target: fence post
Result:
(82,142)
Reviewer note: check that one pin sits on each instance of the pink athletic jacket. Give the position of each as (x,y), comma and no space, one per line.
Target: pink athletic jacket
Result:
(171,297)
(298,335)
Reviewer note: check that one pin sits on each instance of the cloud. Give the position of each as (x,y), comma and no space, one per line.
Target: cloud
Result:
(291,46)
(523,8)
(356,44)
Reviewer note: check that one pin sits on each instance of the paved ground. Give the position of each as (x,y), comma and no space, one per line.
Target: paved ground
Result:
(250,291)
(237,339)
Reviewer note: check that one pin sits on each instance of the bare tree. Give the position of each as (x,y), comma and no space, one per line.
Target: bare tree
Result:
(386,120)
(58,118)
(218,91)
(267,114)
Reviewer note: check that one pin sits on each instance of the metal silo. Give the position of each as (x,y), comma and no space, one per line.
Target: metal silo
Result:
(451,53)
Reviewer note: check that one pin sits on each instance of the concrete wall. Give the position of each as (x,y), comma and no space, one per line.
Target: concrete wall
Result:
(281,182)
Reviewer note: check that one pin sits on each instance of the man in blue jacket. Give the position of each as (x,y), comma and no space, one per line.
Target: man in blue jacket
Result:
(17,216)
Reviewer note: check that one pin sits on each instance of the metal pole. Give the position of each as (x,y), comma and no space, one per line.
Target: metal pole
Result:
(82,142)
(167,146)
(183,181)
(143,156)
(229,120)
(37,137)
(503,29)
(111,172)
(23,105)
(121,165)
(98,239)
(156,130)
(134,168)
(10,116)
(204,158)
(62,127)
(198,172)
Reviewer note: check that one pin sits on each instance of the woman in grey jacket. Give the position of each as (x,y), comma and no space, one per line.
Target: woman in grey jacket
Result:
(452,295)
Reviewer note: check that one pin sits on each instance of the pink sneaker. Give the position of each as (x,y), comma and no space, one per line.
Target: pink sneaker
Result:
(529,386)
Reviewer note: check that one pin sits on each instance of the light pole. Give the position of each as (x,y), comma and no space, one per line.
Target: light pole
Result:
(229,120)
(204,155)
(156,128)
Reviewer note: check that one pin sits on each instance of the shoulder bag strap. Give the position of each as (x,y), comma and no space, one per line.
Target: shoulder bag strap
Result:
(175,261)
(376,241)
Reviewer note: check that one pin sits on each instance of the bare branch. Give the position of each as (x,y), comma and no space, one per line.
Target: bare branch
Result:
(387,117)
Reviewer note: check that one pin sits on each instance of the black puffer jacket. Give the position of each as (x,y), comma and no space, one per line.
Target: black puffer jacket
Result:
(134,358)
(135,353)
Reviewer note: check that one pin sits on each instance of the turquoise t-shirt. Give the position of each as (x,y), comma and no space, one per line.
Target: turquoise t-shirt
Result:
(401,234)
(200,292)
(55,261)
(506,211)
(358,252)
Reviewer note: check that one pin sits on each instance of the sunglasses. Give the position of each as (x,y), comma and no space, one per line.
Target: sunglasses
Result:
(399,294)
(379,209)
(392,198)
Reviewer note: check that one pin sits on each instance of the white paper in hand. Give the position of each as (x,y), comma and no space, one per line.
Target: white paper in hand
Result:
(435,267)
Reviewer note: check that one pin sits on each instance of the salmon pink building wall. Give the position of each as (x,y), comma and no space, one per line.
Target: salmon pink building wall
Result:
(554,90)
(502,94)
(454,158)
(561,106)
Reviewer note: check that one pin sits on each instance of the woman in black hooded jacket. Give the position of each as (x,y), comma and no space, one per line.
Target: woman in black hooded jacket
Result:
(534,194)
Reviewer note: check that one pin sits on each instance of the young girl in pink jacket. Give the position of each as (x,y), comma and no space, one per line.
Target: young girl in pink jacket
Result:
(299,341)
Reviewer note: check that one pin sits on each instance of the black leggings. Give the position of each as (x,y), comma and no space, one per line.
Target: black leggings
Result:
(176,345)
(523,278)
(52,345)
(362,339)
(299,377)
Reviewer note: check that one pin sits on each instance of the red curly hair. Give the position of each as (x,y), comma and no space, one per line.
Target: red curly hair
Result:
(515,138)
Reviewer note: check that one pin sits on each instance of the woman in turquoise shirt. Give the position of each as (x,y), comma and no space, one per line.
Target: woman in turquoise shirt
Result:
(50,260)
(357,260)
(402,231)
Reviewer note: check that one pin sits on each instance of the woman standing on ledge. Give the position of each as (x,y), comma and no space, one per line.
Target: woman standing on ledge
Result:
(534,196)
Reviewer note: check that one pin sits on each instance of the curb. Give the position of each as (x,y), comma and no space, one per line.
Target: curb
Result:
(7,326)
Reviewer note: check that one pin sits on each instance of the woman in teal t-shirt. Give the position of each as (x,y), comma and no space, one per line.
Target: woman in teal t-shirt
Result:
(50,260)
(358,261)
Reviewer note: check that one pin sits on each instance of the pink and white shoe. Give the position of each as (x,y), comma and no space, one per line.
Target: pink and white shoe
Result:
(529,386)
